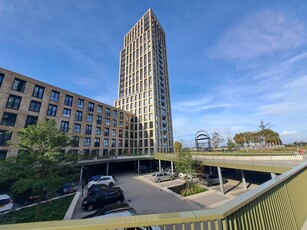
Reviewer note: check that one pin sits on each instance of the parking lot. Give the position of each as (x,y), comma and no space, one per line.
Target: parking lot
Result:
(148,197)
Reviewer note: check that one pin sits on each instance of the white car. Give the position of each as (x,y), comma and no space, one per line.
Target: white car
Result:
(185,176)
(6,203)
(106,180)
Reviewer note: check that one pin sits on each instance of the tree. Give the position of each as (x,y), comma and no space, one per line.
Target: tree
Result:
(230,145)
(177,146)
(39,165)
(216,139)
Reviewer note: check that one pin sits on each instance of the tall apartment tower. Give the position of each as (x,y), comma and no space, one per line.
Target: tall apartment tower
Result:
(143,87)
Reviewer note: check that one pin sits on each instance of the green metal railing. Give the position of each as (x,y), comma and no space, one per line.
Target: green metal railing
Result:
(277,204)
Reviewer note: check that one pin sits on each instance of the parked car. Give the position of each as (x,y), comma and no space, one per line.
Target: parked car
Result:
(162,176)
(143,169)
(185,176)
(28,197)
(119,210)
(6,203)
(103,198)
(174,173)
(69,187)
(95,177)
(96,188)
(210,180)
(107,180)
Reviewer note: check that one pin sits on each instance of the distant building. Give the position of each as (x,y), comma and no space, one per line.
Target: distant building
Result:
(140,122)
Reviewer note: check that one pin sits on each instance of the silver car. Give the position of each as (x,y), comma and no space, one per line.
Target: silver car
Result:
(162,176)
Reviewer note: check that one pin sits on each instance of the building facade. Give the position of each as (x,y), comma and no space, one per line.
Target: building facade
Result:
(140,121)
(98,130)
(143,87)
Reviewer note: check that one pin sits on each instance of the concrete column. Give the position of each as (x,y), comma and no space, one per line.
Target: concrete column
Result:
(138,167)
(107,170)
(221,180)
(243,179)
(210,170)
(172,168)
(159,165)
(273,175)
(81,173)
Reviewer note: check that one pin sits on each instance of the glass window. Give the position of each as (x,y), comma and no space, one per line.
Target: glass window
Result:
(107,121)
(38,91)
(121,124)
(105,142)
(35,106)
(64,126)
(87,141)
(1,78)
(19,85)
(3,154)
(5,136)
(90,107)
(99,109)
(121,115)
(80,103)
(13,102)
(88,130)
(108,112)
(31,120)
(68,100)
(54,96)
(8,119)
(97,142)
(51,110)
(98,131)
(114,123)
(113,143)
(106,132)
(79,115)
(89,118)
(114,114)
(77,128)
(75,141)
(99,120)
(66,112)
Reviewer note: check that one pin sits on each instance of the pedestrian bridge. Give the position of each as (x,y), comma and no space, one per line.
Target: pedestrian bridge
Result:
(280,203)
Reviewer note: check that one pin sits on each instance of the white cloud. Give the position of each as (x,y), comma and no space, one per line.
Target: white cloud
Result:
(264,33)
(287,133)
(281,108)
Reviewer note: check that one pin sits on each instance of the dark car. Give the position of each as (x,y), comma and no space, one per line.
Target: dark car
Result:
(67,188)
(97,188)
(143,169)
(210,180)
(28,197)
(109,209)
(103,198)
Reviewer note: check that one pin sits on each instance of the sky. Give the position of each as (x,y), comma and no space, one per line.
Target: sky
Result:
(231,64)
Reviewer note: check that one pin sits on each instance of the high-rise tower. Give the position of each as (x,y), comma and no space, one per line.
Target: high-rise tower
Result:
(143,87)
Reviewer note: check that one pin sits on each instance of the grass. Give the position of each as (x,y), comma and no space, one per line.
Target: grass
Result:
(49,211)
(184,191)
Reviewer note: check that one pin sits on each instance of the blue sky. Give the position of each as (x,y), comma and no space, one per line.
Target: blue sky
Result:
(231,63)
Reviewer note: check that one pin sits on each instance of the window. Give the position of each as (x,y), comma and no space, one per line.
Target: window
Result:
(98,131)
(66,112)
(51,110)
(105,142)
(68,100)
(107,121)
(54,96)
(80,103)
(120,143)
(8,119)
(35,106)
(99,109)
(113,143)
(75,141)
(106,132)
(64,126)
(113,132)
(90,107)
(114,114)
(77,128)
(120,133)
(19,85)
(38,91)
(89,118)
(99,120)
(79,115)
(87,141)
(121,116)
(121,124)
(97,142)
(114,123)
(31,120)
(108,112)
(5,136)
(3,153)
(88,130)
(13,102)
(1,78)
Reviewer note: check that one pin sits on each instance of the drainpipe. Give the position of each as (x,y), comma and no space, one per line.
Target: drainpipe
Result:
(221,180)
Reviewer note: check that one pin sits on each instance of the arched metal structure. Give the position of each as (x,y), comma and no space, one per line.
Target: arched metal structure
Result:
(203,141)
